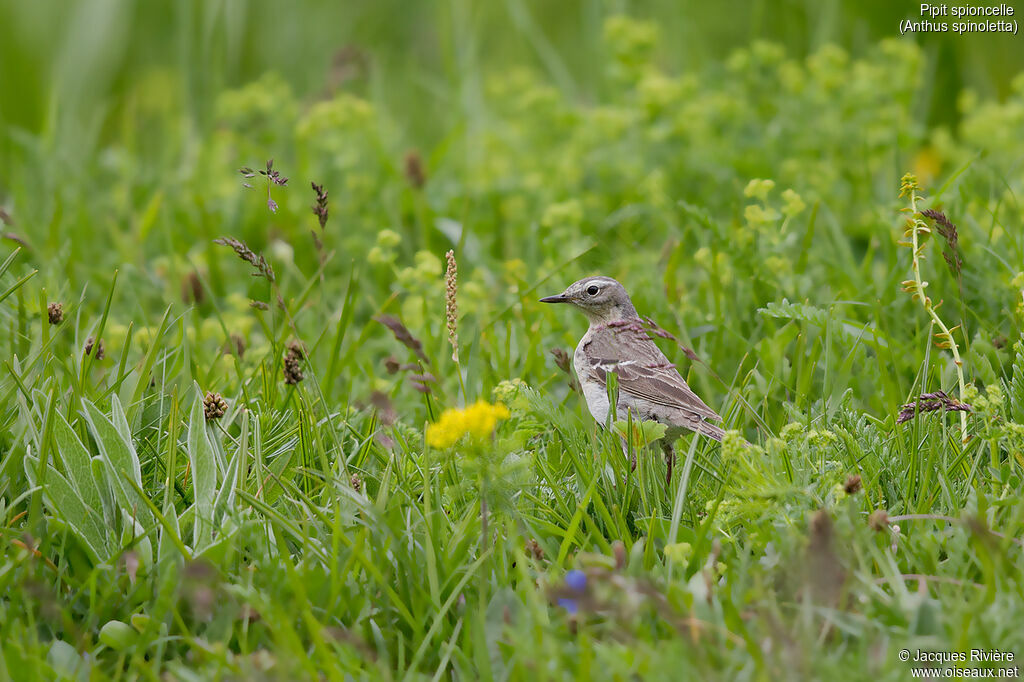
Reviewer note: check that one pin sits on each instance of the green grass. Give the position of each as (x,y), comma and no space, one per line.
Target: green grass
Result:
(750,204)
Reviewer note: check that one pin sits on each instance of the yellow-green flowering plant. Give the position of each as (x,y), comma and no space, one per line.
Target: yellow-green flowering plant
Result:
(475,423)
(469,435)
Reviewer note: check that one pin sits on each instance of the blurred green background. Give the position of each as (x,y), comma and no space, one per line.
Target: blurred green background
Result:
(70,69)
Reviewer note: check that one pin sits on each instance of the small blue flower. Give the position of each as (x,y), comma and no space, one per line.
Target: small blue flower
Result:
(568,604)
(576,580)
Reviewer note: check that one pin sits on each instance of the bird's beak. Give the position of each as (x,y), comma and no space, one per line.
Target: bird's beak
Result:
(561,298)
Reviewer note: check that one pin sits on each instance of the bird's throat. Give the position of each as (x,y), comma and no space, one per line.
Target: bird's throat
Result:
(615,313)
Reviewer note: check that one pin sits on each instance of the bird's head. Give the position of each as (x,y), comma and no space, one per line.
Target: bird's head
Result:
(601,298)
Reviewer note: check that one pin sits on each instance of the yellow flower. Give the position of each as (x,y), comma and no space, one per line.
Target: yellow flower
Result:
(477,421)
(758,188)
(680,552)
(794,203)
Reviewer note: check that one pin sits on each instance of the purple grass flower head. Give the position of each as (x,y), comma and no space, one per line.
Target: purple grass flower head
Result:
(273,178)
(576,580)
(569,605)
(273,175)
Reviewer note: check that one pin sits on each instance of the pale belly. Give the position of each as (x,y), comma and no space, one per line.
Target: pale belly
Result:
(594,392)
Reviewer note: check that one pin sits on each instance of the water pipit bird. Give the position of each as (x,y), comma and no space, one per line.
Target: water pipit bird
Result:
(648,384)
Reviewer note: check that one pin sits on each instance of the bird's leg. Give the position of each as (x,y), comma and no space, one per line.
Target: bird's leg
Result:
(670,460)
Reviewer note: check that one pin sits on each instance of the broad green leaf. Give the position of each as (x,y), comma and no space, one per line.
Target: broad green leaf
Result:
(226,494)
(77,461)
(120,423)
(118,456)
(64,501)
(111,441)
(99,477)
(204,474)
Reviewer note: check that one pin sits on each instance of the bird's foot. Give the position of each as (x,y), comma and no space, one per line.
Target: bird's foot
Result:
(670,460)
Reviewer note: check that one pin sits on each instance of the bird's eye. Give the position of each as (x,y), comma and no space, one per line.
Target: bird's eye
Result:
(592,290)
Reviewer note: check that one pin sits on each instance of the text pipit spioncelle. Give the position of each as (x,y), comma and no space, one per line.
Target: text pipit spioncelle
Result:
(648,384)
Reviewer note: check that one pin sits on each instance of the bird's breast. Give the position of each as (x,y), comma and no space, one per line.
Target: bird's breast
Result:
(594,392)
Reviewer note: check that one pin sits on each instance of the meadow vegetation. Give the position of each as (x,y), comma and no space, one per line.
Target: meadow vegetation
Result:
(249,431)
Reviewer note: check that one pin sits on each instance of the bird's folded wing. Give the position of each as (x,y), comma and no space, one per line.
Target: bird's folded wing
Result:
(642,369)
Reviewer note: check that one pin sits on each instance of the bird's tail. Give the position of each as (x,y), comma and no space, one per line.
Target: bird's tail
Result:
(715,432)
(710,430)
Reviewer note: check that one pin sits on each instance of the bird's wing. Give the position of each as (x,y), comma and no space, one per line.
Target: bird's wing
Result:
(642,369)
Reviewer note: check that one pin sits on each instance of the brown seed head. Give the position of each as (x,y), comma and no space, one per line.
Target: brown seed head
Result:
(91,343)
(293,363)
(853,484)
(234,344)
(214,406)
(414,171)
(192,289)
(879,520)
(55,311)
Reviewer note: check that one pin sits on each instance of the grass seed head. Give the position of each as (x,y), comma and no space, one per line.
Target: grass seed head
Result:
(564,363)
(55,312)
(931,402)
(451,304)
(258,262)
(272,175)
(947,230)
(403,335)
(320,206)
